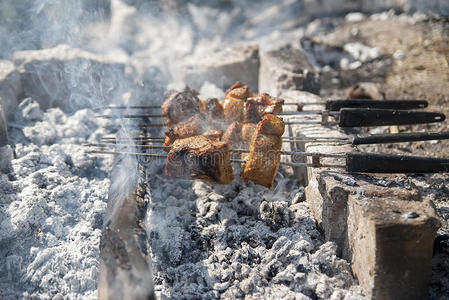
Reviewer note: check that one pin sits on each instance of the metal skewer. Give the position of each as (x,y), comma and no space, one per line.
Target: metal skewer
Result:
(291,164)
(331,105)
(355,162)
(298,153)
(357,140)
(347,117)
(163,125)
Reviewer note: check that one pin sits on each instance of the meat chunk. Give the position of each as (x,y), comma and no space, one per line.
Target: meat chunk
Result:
(212,109)
(238,91)
(271,125)
(234,101)
(248,130)
(198,157)
(256,107)
(179,106)
(195,125)
(264,156)
(233,136)
(213,134)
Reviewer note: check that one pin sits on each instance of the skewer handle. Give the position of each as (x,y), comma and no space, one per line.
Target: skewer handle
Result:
(336,105)
(400,137)
(354,117)
(386,163)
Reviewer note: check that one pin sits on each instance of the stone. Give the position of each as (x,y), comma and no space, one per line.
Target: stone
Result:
(287,68)
(364,90)
(71,78)
(149,86)
(432,7)
(223,68)
(337,7)
(354,17)
(10,87)
(385,228)
(361,52)
(392,255)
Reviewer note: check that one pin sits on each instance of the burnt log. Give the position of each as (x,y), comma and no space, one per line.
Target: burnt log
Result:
(10,88)
(5,149)
(125,271)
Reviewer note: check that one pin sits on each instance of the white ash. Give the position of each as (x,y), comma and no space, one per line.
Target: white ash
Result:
(52,207)
(241,240)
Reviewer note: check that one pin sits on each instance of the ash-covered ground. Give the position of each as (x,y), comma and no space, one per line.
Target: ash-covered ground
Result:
(207,241)
(52,206)
(239,240)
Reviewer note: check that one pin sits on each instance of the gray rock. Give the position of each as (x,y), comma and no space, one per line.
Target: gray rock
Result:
(364,90)
(354,17)
(223,68)
(432,7)
(10,87)
(70,78)
(287,69)
(149,87)
(339,7)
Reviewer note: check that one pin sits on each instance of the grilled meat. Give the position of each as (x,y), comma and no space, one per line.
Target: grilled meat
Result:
(198,157)
(234,101)
(265,151)
(179,106)
(214,135)
(212,109)
(248,130)
(256,107)
(238,91)
(195,125)
(233,136)
(271,125)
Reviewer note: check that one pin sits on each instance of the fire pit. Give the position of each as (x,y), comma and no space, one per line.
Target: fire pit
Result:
(77,225)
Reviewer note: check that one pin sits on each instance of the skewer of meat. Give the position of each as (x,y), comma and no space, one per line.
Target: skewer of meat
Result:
(199,157)
(264,156)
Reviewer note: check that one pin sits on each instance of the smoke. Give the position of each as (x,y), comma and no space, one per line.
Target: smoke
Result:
(101,52)
(40,24)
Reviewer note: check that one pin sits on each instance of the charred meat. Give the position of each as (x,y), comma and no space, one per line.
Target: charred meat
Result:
(256,107)
(195,125)
(264,157)
(214,135)
(248,130)
(179,106)
(232,135)
(198,157)
(238,90)
(212,109)
(234,101)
